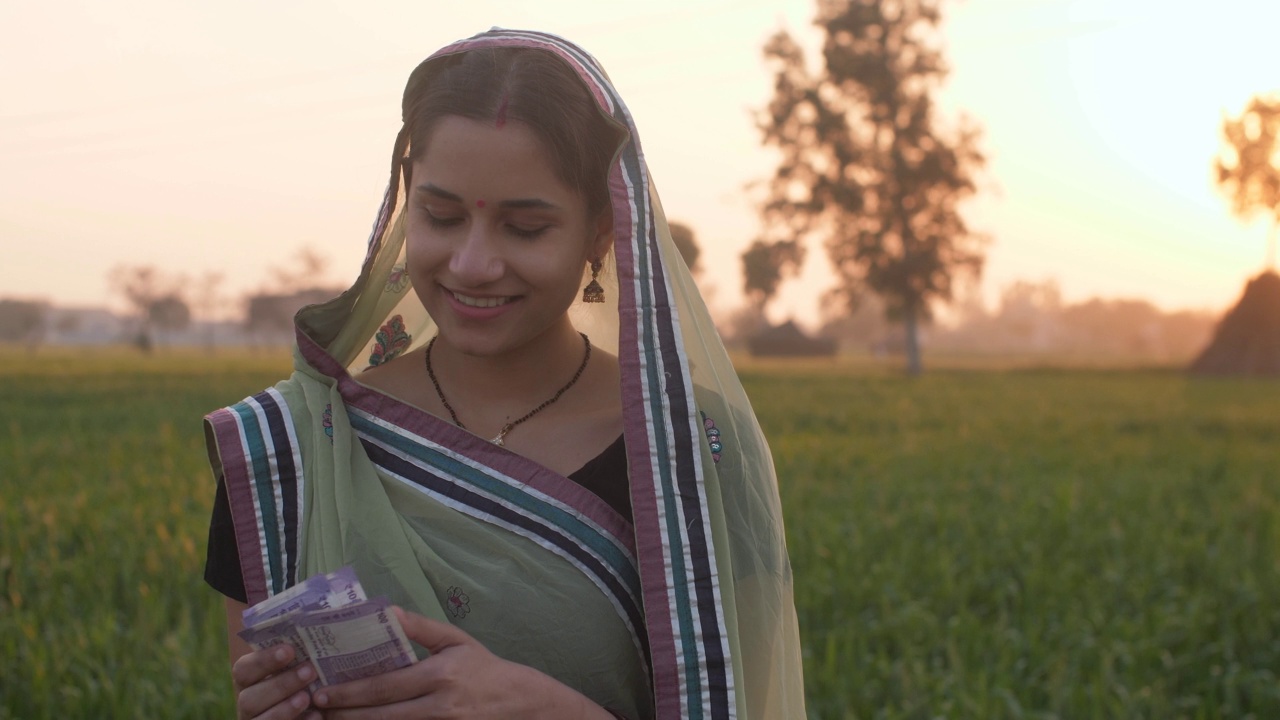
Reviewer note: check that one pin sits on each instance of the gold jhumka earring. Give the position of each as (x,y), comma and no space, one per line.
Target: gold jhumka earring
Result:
(593,292)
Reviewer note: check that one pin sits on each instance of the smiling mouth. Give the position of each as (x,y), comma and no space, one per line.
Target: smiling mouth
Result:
(481,302)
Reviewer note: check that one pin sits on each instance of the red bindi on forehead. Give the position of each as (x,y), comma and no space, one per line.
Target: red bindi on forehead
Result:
(479,203)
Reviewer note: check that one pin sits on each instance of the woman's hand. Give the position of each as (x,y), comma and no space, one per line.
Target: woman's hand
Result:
(461,679)
(268,689)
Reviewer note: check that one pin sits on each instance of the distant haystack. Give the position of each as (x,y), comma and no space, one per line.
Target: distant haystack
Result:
(788,340)
(1247,341)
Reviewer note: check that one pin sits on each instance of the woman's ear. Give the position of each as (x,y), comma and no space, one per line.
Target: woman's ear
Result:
(603,241)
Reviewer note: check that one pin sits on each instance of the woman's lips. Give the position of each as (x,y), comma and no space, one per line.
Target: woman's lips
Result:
(478,307)
(481,302)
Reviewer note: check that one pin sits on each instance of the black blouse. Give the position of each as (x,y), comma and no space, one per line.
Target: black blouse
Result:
(605,475)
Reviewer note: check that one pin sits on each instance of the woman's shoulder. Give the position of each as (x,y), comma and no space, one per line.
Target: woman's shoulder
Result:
(403,377)
(262,435)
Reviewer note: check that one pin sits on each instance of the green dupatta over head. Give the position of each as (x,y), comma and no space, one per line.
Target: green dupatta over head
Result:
(688,613)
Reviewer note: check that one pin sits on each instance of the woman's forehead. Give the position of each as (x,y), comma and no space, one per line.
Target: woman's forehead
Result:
(471,160)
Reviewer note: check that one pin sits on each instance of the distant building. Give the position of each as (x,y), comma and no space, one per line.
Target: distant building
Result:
(269,318)
(85,326)
(76,326)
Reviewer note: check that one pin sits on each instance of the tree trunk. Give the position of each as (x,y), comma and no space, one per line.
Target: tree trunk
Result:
(1271,243)
(911,324)
(144,340)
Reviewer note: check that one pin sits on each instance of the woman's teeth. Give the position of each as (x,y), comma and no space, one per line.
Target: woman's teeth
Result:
(481,302)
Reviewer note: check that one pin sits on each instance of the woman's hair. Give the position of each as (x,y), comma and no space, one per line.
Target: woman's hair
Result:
(532,86)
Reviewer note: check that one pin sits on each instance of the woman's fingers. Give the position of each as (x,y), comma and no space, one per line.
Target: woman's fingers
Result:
(390,687)
(280,696)
(291,707)
(410,682)
(252,668)
(274,691)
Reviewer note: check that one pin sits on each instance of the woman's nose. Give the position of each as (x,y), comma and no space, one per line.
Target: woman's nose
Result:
(477,258)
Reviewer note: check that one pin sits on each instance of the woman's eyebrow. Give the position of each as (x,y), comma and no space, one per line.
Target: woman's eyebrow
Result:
(439,192)
(527,204)
(516,204)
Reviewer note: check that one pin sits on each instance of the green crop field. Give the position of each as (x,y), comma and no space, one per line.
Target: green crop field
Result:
(1019,543)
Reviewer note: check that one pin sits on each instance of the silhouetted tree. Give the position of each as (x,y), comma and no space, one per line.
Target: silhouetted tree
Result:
(865,166)
(1248,169)
(140,286)
(685,242)
(1032,319)
(863,330)
(168,313)
(210,301)
(763,266)
(307,270)
(1029,310)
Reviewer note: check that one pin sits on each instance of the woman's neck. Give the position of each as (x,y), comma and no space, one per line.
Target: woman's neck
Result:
(508,382)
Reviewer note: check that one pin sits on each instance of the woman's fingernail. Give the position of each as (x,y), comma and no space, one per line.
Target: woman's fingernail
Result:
(281,654)
(299,701)
(304,672)
(321,698)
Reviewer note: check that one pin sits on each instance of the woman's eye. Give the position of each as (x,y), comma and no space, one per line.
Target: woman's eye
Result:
(525,232)
(440,222)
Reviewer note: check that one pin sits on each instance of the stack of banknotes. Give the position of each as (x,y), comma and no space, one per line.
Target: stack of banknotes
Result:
(329,621)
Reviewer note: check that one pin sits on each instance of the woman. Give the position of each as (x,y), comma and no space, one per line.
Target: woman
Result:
(571,501)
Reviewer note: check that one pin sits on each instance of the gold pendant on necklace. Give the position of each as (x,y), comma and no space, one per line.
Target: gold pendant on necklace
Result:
(497,439)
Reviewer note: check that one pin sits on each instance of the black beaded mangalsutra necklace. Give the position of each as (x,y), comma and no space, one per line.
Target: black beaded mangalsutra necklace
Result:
(497,440)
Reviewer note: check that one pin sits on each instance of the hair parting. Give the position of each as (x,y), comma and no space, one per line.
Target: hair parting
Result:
(501,120)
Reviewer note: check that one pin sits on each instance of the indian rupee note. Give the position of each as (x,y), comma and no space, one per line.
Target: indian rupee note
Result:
(318,592)
(353,642)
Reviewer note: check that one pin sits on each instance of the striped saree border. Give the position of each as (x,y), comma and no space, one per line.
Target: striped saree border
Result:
(481,493)
(262,469)
(552,510)
(692,673)
(614,548)
(470,448)
(678,497)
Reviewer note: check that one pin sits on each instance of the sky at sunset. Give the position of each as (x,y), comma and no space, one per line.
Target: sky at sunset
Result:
(225,137)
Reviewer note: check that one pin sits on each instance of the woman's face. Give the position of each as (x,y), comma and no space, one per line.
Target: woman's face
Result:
(496,243)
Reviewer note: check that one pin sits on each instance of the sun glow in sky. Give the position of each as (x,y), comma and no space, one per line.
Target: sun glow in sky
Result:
(224,137)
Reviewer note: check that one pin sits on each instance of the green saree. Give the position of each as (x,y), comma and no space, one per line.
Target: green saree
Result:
(685,613)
